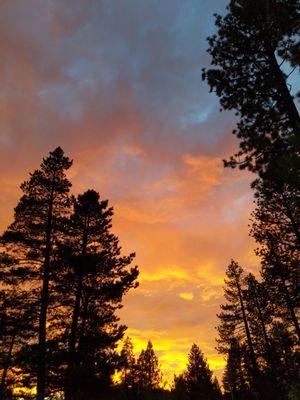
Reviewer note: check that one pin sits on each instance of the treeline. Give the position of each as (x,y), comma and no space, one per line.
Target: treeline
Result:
(141,378)
(259,321)
(63,278)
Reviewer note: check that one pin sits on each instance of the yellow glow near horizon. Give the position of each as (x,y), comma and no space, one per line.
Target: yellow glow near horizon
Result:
(24,391)
(172,353)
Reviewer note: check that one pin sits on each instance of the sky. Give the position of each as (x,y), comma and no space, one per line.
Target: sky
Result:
(117,84)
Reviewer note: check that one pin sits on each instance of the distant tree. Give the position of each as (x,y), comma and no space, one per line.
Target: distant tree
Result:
(38,226)
(148,371)
(233,318)
(180,388)
(216,389)
(7,324)
(198,377)
(16,330)
(234,321)
(128,367)
(246,52)
(16,321)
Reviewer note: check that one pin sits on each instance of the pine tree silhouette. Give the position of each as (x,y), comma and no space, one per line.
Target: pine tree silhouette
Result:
(37,227)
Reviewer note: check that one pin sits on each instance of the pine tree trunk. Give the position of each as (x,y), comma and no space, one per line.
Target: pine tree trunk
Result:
(287,99)
(41,372)
(82,327)
(290,306)
(247,330)
(263,326)
(287,296)
(256,380)
(274,386)
(69,390)
(292,219)
(72,342)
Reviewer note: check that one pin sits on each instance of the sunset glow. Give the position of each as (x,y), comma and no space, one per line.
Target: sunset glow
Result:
(119,89)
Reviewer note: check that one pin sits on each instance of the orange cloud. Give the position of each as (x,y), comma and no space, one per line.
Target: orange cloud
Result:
(119,89)
(187,295)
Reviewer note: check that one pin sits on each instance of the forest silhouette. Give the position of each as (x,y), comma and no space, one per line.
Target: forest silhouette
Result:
(63,273)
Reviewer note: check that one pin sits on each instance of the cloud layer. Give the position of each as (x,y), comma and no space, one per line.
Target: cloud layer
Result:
(118,85)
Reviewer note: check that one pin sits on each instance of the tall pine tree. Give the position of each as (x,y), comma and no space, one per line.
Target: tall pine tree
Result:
(234,321)
(90,284)
(38,226)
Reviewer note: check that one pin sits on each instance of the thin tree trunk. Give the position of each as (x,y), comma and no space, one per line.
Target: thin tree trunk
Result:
(290,306)
(82,328)
(41,372)
(288,299)
(287,102)
(292,219)
(248,334)
(256,383)
(263,325)
(7,362)
(269,352)
(72,342)
(69,392)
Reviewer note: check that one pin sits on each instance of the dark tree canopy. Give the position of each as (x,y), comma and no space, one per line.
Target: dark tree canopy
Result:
(246,53)
(148,370)
(197,383)
(39,224)
(234,381)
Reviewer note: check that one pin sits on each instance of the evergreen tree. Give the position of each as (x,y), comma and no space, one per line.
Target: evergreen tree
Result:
(233,318)
(15,332)
(234,378)
(286,356)
(148,371)
(253,41)
(247,77)
(38,226)
(91,283)
(234,321)
(275,225)
(198,375)
(180,388)
(197,381)
(18,327)
(216,389)
(260,313)
(128,367)
(15,321)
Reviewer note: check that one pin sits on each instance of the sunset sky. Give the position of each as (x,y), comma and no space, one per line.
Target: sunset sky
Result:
(117,84)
